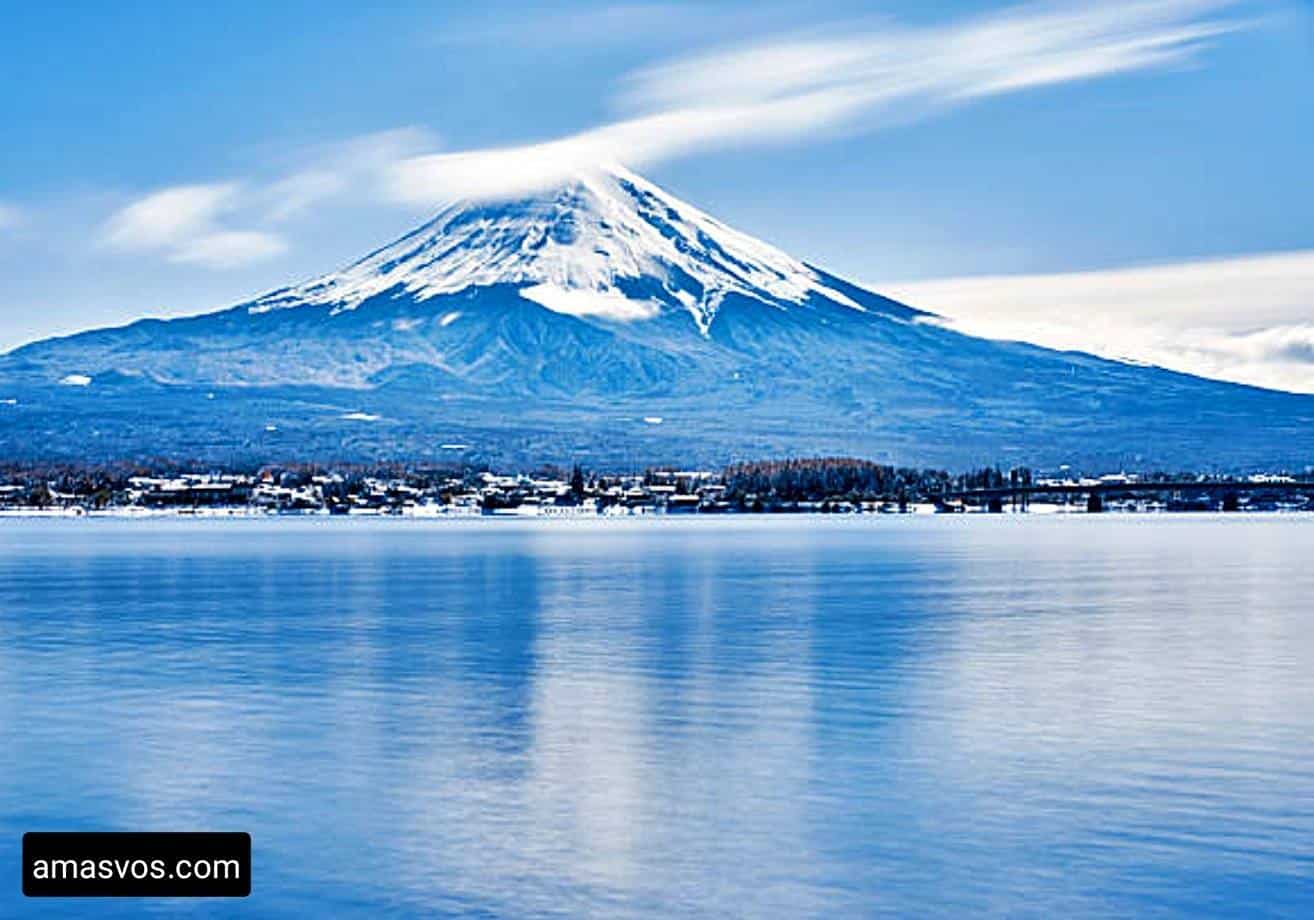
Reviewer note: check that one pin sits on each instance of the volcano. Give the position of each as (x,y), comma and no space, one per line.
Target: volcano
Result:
(603,321)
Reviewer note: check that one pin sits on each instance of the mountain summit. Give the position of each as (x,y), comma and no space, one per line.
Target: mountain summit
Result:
(605,244)
(607,322)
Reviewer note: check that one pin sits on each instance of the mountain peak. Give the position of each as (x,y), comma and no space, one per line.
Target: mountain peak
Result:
(604,243)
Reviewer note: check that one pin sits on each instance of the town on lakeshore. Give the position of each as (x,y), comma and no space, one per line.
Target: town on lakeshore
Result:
(830,485)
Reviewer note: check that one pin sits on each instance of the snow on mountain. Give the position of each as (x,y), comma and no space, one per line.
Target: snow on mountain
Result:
(607,244)
(607,322)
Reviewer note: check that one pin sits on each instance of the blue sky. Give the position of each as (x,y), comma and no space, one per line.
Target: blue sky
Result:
(162,160)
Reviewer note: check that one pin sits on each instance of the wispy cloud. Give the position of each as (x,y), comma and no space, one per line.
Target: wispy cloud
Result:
(770,91)
(162,218)
(355,167)
(224,225)
(229,248)
(183,223)
(1249,319)
(847,79)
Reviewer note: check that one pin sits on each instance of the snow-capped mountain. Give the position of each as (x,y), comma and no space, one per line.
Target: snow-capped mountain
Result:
(607,244)
(606,321)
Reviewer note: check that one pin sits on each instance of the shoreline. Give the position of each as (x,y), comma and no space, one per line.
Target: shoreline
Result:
(62,514)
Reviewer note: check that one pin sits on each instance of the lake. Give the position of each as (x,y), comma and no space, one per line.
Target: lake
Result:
(1082,716)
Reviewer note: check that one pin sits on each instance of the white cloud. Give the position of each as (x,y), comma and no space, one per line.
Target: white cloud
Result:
(183,224)
(1248,319)
(355,166)
(856,78)
(229,248)
(224,225)
(301,191)
(164,218)
(1018,48)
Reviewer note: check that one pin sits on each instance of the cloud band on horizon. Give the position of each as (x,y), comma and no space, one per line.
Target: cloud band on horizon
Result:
(1246,319)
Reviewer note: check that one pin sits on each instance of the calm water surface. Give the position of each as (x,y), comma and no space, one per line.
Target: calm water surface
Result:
(1086,716)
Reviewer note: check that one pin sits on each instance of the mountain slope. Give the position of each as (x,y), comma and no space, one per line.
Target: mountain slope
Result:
(607,321)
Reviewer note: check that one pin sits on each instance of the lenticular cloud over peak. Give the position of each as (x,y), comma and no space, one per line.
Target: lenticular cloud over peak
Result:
(860,77)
